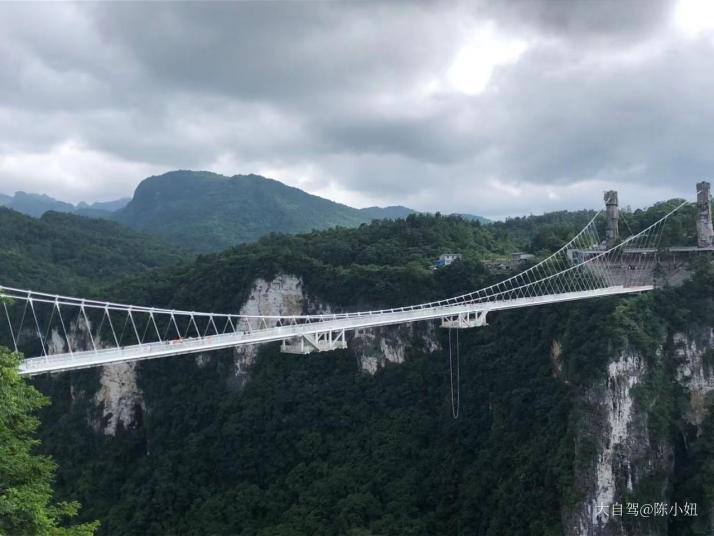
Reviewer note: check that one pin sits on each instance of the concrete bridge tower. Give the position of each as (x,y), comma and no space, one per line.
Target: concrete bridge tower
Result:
(705,235)
(612,230)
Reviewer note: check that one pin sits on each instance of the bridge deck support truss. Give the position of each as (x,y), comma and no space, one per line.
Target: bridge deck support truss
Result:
(323,341)
(468,319)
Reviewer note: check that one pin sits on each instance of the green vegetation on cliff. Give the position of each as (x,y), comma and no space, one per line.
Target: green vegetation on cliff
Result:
(26,498)
(68,253)
(384,263)
(314,445)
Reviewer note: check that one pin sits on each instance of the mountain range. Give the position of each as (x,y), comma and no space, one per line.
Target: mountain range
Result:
(205,211)
(36,205)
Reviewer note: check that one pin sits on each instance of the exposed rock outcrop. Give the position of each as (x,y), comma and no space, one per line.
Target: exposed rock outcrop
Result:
(119,397)
(694,372)
(375,347)
(284,295)
(616,425)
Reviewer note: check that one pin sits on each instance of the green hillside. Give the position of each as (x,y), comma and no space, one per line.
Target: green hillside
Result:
(68,253)
(386,262)
(206,211)
(209,212)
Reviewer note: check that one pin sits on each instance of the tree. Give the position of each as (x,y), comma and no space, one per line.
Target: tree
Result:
(26,507)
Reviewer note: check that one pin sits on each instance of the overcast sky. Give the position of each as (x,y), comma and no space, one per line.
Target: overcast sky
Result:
(493,108)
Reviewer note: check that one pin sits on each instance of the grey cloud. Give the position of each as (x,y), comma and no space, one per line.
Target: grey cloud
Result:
(271,50)
(604,93)
(430,139)
(586,19)
(653,116)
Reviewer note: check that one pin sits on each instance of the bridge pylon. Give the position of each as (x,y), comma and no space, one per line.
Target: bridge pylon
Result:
(323,341)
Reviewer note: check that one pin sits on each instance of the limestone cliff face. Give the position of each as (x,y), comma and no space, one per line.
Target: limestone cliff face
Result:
(614,424)
(375,347)
(285,295)
(617,429)
(694,373)
(119,400)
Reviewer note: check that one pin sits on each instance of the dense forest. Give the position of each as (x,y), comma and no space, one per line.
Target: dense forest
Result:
(27,507)
(74,254)
(381,263)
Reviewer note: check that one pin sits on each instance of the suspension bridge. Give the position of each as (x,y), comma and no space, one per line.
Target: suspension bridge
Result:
(62,333)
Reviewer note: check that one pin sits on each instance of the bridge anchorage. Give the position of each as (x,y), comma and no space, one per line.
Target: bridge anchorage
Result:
(64,333)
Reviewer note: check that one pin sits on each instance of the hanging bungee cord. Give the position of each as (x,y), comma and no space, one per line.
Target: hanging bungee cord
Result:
(455,398)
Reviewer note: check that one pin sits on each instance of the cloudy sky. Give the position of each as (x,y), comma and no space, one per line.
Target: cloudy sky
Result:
(494,108)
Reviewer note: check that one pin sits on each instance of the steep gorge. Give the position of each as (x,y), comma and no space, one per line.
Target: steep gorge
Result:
(620,456)
(564,407)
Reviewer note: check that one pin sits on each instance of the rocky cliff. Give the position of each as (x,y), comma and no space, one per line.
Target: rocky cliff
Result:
(120,400)
(624,462)
(285,295)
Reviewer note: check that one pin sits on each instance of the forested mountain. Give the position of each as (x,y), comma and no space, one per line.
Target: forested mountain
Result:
(316,445)
(209,212)
(203,211)
(381,213)
(69,253)
(34,204)
(384,262)
(37,204)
